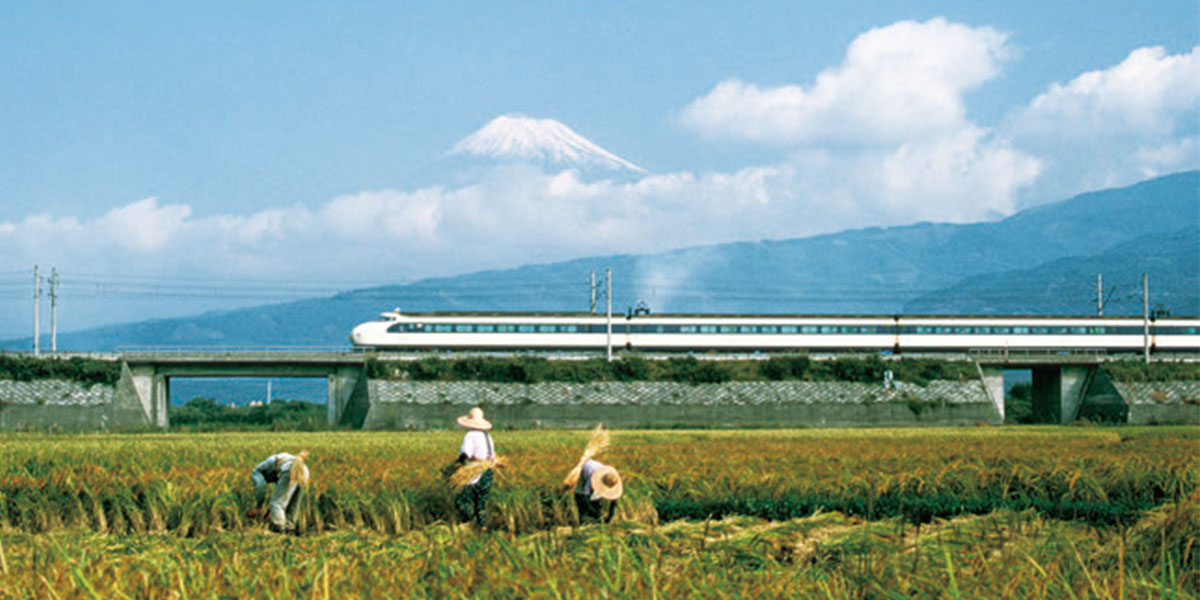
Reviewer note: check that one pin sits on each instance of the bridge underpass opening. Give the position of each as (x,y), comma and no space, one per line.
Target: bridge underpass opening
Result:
(1045,393)
(1018,397)
(281,402)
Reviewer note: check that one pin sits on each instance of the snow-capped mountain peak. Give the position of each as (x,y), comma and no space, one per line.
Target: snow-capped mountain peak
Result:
(517,137)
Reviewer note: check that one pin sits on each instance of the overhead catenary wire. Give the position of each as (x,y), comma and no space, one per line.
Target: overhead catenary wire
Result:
(486,289)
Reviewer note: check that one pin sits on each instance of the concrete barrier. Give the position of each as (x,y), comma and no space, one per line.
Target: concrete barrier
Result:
(421,405)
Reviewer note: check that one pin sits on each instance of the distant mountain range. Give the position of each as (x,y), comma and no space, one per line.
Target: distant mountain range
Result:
(1039,261)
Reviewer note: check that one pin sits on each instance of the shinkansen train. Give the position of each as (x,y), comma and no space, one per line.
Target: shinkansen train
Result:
(772,333)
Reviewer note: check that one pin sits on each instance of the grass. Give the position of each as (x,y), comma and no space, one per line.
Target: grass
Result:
(1004,555)
(1040,512)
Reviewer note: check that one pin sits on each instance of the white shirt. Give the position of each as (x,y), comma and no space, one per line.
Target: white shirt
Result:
(275,465)
(584,486)
(477,445)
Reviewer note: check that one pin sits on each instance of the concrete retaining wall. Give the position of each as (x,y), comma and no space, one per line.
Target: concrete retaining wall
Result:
(419,405)
(1162,402)
(63,404)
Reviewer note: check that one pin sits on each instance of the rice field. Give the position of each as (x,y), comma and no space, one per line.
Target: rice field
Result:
(968,512)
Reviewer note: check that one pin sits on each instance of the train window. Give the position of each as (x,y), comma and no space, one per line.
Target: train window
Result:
(810,329)
(868,329)
(829,329)
(788,329)
(748,329)
(485,328)
(526,328)
(546,329)
(727,329)
(568,328)
(443,328)
(708,329)
(1040,330)
(464,328)
(687,329)
(506,328)
(1002,329)
(769,329)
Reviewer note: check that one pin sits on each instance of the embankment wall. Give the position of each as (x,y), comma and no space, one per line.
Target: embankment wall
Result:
(56,403)
(420,405)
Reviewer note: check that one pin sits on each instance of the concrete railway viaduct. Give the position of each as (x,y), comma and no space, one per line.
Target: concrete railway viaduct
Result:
(1059,382)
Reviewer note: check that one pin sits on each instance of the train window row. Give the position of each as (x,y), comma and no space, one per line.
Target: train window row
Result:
(623,328)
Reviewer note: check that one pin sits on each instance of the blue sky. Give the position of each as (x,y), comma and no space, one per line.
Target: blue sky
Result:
(272,141)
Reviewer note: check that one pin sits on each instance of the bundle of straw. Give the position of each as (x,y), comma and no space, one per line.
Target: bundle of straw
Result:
(597,444)
(468,471)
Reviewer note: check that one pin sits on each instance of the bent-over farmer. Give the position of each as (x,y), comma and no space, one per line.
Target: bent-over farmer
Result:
(290,475)
(598,484)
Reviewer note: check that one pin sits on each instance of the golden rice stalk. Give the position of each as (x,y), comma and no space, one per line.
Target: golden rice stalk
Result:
(473,469)
(597,444)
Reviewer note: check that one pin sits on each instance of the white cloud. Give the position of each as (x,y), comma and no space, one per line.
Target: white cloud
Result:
(1144,96)
(883,138)
(144,225)
(387,213)
(895,82)
(959,178)
(1110,127)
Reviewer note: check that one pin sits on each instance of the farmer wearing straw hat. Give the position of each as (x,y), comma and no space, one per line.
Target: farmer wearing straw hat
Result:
(474,467)
(290,475)
(598,483)
(594,481)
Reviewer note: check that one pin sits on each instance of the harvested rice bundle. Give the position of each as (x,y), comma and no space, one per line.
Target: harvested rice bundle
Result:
(597,444)
(470,470)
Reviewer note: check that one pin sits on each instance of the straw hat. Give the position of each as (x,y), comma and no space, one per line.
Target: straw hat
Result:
(474,420)
(606,484)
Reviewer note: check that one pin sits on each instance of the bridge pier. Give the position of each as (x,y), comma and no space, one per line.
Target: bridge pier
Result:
(141,386)
(349,396)
(993,381)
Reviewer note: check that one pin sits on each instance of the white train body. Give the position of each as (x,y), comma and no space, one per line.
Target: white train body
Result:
(699,333)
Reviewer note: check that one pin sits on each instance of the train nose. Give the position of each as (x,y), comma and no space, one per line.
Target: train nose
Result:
(356,335)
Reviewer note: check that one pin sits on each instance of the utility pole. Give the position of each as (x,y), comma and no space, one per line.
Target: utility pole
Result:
(37,298)
(592,310)
(1146,316)
(1099,295)
(608,300)
(53,310)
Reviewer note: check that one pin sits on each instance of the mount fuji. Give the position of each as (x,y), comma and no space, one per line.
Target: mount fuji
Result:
(544,143)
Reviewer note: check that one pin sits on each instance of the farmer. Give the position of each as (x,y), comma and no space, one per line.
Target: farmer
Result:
(289,473)
(593,481)
(598,484)
(477,450)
